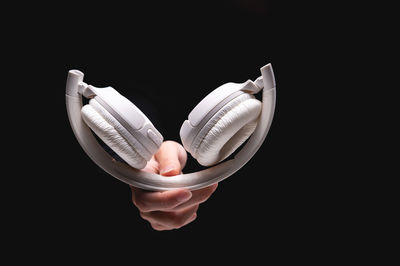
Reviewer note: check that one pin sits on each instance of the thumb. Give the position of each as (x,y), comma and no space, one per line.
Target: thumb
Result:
(171,158)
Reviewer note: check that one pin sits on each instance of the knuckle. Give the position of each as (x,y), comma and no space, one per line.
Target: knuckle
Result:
(157,227)
(177,220)
(207,194)
(171,219)
(141,205)
(192,218)
(134,199)
(204,198)
(143,215)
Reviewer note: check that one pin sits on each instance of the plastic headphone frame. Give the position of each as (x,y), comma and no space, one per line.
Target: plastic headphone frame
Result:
(155,182)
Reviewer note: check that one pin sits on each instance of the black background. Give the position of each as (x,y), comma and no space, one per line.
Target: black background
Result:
(165,58)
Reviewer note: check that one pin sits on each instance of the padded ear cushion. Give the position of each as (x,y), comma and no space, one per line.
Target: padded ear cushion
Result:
(227,130)
(109,131)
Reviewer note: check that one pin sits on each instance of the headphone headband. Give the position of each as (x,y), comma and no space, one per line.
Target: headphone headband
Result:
(155,182)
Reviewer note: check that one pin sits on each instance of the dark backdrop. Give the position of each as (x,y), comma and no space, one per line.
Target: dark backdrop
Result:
(166,58)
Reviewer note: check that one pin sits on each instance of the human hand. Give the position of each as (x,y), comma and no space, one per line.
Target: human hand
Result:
(171,209)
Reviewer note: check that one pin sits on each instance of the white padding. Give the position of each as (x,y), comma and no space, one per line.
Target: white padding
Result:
(104,129)
(228,129)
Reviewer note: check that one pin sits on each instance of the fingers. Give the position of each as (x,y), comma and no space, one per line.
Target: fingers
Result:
(170,220)
(198,196)
(171,158)
(169,209)
(173,200)
(147,201)
(160,227)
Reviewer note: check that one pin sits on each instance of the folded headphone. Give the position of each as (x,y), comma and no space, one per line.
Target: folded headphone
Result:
(215,128)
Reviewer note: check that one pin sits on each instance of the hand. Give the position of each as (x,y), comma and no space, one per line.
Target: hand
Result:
(169,209)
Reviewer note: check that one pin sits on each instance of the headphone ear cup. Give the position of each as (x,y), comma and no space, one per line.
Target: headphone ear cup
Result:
(227,130)
(109,130)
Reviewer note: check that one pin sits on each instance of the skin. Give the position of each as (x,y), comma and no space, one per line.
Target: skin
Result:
(173,209)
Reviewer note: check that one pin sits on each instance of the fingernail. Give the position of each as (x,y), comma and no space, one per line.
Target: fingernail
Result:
(167,170)
(184,196)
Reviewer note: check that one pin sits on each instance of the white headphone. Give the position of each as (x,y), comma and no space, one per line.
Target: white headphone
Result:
(215,128)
